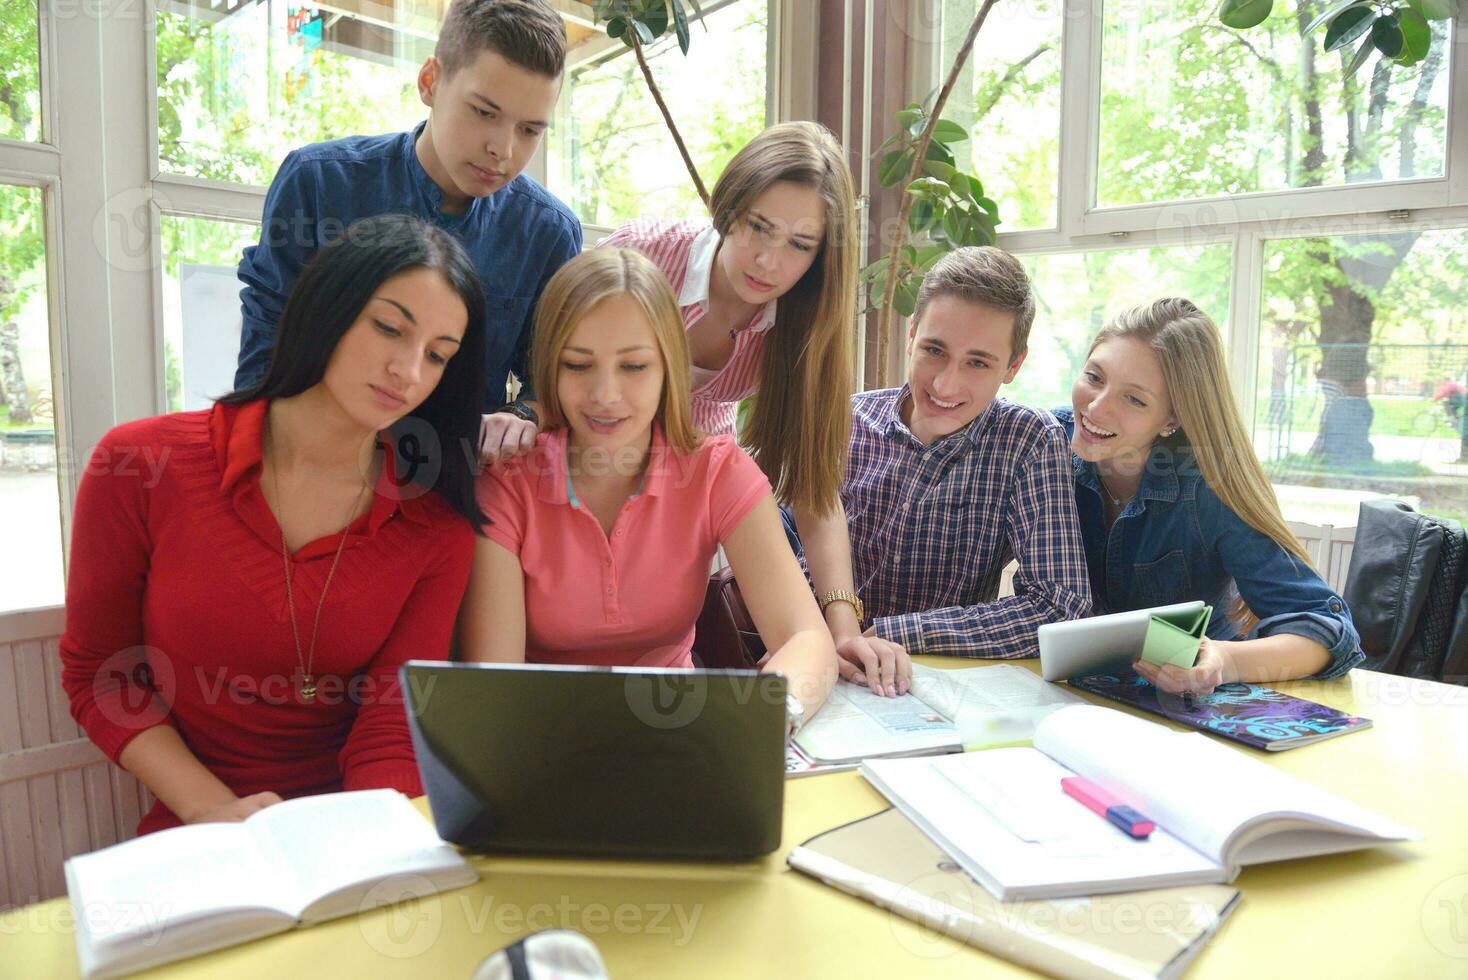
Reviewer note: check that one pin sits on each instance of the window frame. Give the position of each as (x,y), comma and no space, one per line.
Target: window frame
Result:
(1248,221)
(104,195)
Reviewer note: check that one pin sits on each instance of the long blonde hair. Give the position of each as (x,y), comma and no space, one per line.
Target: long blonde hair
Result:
(1188,344)
(801,421)
(581,284)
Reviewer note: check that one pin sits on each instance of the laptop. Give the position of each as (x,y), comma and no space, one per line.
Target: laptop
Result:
(1085,646)
(601,761)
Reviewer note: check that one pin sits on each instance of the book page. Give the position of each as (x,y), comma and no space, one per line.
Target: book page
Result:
(855,724)
(140,890)
(1212,795)
(1004,816)
(989,705)
(336,841)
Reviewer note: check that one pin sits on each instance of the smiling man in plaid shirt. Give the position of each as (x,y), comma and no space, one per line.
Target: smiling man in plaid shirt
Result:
(946,483)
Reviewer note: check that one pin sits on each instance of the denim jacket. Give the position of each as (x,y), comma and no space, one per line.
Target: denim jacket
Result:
(1175,541)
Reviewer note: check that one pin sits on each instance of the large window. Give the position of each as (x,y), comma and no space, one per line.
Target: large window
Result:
(1192,109)
(1008,97)
(610,155)
(243,82)
(1317,216)
(1076,292)
(20,81)
(1363,367)
(30,499)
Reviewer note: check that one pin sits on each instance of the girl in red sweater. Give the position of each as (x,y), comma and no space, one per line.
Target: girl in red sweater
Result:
(244,581)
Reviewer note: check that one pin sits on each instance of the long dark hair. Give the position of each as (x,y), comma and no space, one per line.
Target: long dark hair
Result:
(331,293)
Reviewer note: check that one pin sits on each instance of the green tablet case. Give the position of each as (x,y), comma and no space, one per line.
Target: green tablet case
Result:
(1174,639)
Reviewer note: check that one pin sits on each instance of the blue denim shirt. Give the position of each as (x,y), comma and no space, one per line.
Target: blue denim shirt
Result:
(1175,541)
(517,238)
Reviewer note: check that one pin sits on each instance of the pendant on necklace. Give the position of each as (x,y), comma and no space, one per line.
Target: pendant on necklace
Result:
(308,688)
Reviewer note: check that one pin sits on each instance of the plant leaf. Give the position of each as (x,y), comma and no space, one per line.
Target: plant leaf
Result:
(949,132)
(644,33)
(920,217)
(1331,9)
(939,169)
(953,225)
(904,301)
(680,25)
(937,151)
(1243,14)
(894,166)
(928,255)
(1362,53)
(616,27)
(1416,38)
(1386,37)
(1436,9)
(910,117)
(1348,25)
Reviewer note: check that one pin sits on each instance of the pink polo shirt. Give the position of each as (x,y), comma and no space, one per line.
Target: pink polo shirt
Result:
(631,598)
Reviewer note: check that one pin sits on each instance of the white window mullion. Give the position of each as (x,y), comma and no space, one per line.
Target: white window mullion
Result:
(1080,117)
(209,198)
(1245,301)
(77,236)
(1456,161)
(32,164)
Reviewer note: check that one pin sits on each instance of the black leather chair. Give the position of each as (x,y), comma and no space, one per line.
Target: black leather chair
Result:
(1407,589)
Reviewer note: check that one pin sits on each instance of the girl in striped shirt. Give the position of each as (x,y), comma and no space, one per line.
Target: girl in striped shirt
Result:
(767,291)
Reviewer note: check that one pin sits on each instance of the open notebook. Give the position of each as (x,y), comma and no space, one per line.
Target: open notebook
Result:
(948,710)
(1003,816)
(194,889)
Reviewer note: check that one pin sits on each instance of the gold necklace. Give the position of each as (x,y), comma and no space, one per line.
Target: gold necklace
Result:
(306,661)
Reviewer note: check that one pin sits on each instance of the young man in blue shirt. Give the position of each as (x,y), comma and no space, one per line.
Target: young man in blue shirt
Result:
(946,483)
(491,89)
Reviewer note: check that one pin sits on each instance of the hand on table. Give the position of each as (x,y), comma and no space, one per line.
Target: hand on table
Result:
(881,665)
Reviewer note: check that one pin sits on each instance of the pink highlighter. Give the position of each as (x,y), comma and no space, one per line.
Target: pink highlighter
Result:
(1105,805)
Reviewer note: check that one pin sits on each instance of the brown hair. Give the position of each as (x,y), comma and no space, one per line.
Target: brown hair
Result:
(528,32)
(581,284)
(1190,349)
(985,276)
(801,422)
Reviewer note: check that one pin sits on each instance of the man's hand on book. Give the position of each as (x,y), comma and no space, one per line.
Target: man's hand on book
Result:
(235,810)
(1206,673)
(503,436)
(881,665)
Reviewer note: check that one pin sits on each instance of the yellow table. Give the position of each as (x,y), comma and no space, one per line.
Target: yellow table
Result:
(1396,911)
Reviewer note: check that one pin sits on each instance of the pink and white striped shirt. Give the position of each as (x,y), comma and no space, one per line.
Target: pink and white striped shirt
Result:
(684,251)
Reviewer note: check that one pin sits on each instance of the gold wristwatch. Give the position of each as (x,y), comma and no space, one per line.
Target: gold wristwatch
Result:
(841,595)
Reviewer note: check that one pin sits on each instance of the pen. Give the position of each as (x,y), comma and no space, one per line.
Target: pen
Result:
(1105,805)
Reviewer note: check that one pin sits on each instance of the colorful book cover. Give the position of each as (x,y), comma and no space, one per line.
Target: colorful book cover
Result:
(1256,716)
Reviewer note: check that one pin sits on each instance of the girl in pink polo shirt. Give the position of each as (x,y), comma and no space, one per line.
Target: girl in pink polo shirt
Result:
(600,539)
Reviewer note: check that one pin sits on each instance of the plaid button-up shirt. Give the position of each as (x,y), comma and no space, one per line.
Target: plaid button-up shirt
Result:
(932,527)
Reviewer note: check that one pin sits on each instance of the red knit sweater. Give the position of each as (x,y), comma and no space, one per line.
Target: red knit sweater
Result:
(176,612)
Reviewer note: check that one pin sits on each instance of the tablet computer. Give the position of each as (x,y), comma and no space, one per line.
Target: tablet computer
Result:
(601,761)
(1083,646)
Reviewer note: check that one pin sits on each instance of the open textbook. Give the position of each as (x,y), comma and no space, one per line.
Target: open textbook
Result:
(190,890)
(1003,816)
(946,711)
(889,862)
